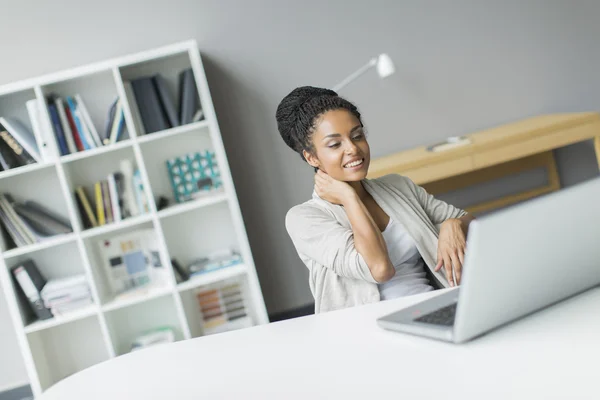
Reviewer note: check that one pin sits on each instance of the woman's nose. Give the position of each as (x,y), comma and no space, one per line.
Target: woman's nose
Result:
(351,148)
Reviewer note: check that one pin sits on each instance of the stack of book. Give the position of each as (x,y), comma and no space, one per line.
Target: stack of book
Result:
(73,126)
(155,110)
(119,196)
(29,222)
(161,335)
(17,144)
(223,309)
(204,265)
(63,295)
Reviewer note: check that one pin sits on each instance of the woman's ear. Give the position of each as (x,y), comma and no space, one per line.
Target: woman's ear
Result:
(310,159)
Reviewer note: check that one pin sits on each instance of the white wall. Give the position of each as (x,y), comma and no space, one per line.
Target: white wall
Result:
(12,369)
(462,65)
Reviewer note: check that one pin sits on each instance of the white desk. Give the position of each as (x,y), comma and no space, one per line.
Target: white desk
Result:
(553,354)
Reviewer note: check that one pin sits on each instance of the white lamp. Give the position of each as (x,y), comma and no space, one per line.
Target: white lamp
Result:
(383,63)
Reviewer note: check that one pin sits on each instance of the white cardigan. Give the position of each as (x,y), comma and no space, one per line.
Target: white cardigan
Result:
(323,237)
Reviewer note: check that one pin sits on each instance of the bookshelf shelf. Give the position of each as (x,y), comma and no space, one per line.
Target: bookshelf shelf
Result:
(55,241)
(136,298)
(192,205)
(98,151)
(25,169)
(212,277)
(59,320)
(172,132)
(72,186)
(116,226)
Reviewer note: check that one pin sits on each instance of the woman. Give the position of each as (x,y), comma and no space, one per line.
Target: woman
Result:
(363,240)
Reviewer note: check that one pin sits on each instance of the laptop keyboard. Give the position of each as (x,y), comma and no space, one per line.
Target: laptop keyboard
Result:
(443,316)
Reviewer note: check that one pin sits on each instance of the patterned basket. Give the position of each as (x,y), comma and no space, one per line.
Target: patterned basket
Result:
(192,174)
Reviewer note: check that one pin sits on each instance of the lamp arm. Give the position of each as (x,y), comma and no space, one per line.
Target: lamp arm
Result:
(356,74)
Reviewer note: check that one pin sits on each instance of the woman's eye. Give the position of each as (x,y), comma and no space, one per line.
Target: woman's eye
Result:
(358,136)
(333,145)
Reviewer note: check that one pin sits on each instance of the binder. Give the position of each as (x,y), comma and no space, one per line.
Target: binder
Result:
(31,282)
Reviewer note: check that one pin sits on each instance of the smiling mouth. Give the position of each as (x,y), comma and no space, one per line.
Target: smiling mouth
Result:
(355,163)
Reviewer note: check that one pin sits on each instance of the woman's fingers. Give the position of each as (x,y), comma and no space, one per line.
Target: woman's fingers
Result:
(457,267)
(448,268)
(439,264)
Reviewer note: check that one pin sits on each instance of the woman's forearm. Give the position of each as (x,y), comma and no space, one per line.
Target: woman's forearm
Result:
(368,240)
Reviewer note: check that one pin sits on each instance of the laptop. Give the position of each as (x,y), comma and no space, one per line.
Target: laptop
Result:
(518,260)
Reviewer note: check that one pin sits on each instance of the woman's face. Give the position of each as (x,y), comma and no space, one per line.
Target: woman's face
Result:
(340,147)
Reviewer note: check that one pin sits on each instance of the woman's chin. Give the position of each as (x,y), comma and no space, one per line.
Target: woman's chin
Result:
(355,176)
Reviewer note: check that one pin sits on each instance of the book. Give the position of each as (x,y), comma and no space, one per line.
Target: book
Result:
(160,85)
(183,274)
(87,119)
(21,154)
(118,124)
(8,158)
(75,286)
(151,111)
(99,204)
(215,261)
(222,308)
(30,282)
(41,221)
(108,213)
(133,107)
(112,110)
(23,136)
(73,127)
(138,188)
(6,203)
(46,144)
(62,116)
(114,198)
(11,229)
(85,208)
(188,103)
(58,131)
(154,337)
(63,295)
(84,135)
(6,240)
(130,207)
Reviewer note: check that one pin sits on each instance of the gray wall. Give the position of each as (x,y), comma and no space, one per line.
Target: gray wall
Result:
(461,66)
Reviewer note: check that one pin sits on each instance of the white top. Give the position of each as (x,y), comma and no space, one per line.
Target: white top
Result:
(345,355)
(322,234)
(410,275)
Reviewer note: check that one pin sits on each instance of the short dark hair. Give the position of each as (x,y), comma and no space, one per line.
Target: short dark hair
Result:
(298,112)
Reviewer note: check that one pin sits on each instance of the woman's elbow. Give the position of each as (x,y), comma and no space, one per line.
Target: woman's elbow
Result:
(383,273)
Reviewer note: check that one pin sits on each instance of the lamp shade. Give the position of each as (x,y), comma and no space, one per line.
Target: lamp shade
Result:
(383,63)
(385,66)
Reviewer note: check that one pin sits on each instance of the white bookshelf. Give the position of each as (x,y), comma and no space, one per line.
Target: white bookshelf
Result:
(56,348)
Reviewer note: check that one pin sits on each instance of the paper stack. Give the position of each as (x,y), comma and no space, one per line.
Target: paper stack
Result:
(66,294)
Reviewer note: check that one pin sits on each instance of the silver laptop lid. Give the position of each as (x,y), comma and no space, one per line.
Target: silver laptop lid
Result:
(529,256)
